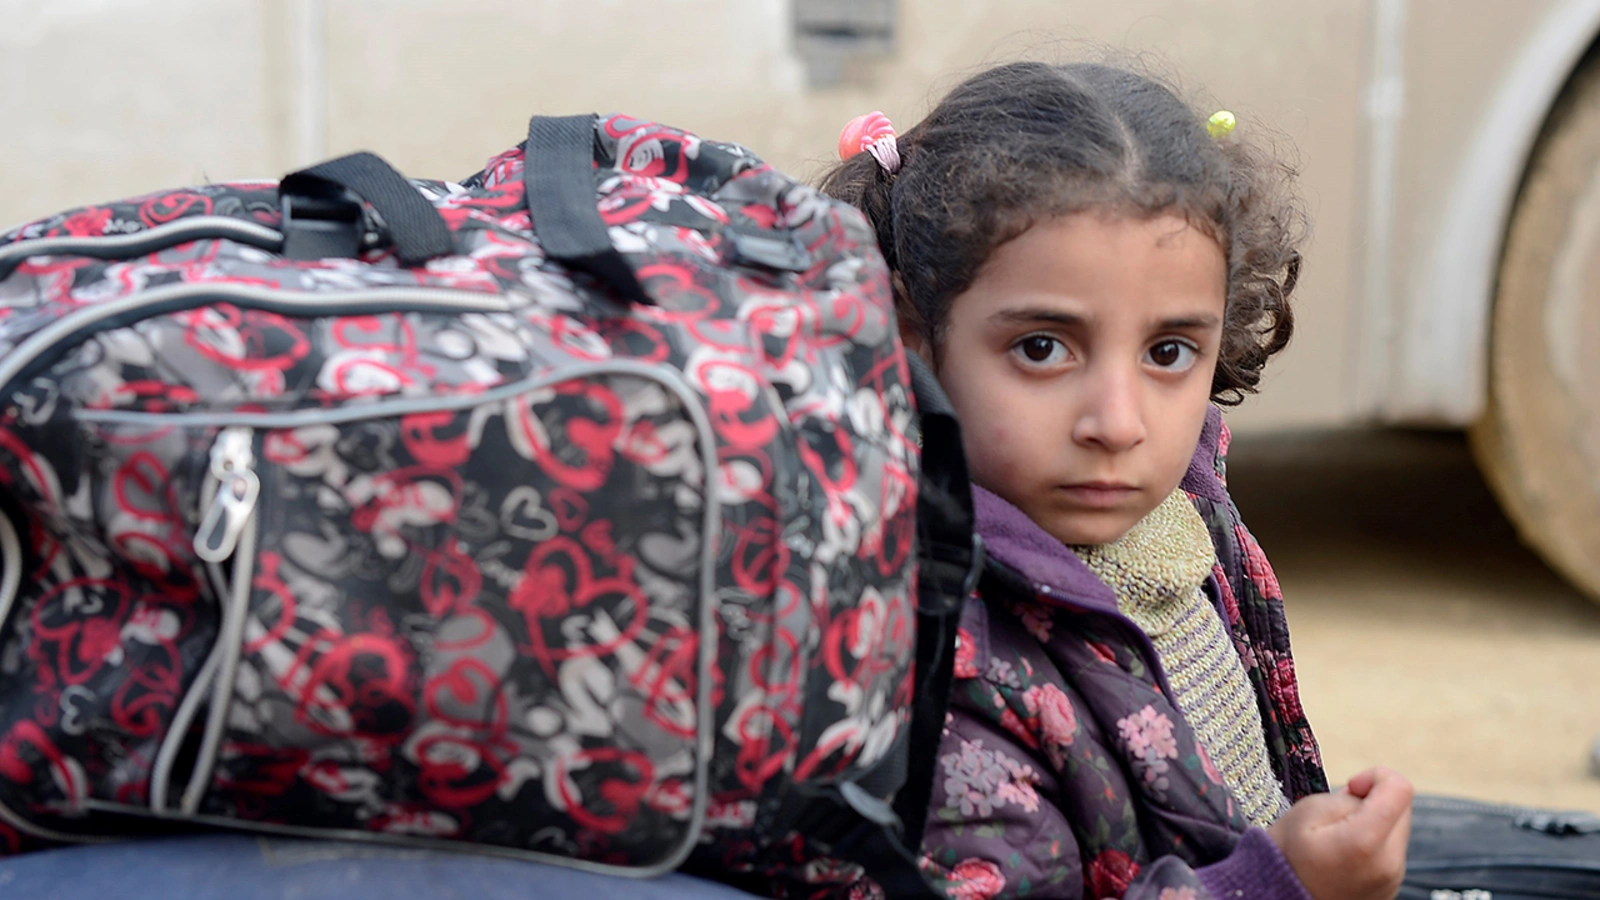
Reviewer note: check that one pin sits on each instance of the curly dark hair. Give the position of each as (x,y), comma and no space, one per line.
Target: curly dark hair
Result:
(1026,141)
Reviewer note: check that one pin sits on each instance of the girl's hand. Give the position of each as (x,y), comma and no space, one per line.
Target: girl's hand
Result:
(1350,844)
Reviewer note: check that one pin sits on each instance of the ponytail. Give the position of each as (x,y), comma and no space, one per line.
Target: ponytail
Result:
(862,183)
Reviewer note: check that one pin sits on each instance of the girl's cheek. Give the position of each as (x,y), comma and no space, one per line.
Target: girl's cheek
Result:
(993,460)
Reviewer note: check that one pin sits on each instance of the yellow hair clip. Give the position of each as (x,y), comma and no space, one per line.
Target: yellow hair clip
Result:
(1221,123)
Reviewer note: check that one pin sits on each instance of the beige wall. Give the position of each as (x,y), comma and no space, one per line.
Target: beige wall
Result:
(102,98)
(99,100)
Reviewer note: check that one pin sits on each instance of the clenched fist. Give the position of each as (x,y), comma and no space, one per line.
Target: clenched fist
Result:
(1350,844)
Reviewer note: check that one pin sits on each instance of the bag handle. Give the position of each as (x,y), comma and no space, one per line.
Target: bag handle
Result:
(321,211)
(558,172)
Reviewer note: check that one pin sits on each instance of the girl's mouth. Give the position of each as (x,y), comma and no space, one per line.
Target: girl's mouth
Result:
(1098,494)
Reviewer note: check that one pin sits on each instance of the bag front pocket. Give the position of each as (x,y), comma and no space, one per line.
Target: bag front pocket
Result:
(490,623)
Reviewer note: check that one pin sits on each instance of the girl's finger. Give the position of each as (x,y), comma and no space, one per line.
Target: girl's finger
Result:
(1386,801)
(1320,811)
(1400,838)
(1394,849)
(1362,783)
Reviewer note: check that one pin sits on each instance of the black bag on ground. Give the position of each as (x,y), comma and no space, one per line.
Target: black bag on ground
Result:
(1466,850)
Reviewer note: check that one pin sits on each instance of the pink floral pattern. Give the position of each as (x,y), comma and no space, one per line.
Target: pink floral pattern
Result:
(1224,441)
(972,778)
(1014,726)
(1257,567)
(1110,874)
(1057,722)
(1149,734)
(1230,604)
(1282,681)
(966,652)
(978,781)
(975,879)
(1036,619)
(1019,790)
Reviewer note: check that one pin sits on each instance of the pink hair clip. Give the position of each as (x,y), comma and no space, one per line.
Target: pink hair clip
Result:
(873,134)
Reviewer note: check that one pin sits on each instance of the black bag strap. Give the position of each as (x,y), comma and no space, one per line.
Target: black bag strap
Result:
(950,562)
(950,552)
(925,386)
(324,198)
(881,846)
(558,172)
(849,821)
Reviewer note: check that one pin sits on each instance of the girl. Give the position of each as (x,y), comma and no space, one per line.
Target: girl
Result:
(1088,271)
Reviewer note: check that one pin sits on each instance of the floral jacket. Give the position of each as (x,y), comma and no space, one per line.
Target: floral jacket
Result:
(1066,769)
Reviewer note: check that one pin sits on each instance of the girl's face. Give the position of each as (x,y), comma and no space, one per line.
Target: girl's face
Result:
(1080,363)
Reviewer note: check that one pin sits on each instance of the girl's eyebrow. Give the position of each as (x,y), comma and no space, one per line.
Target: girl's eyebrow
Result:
(1034,315)
(1199,320)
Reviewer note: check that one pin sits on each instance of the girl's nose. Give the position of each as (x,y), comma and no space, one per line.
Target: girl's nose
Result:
(1111,416)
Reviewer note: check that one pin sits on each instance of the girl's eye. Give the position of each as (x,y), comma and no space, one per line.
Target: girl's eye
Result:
(1173,356)
(1041,350)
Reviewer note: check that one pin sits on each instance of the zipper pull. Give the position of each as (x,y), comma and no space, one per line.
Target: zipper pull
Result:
(232,461)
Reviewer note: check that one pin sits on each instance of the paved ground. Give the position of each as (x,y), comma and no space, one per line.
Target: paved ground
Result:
(1427,638)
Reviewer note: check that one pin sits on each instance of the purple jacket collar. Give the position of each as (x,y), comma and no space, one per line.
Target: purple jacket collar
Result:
(1015,540)
(1202,477)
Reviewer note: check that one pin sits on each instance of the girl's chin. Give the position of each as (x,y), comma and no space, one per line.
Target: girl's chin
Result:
(1088,528)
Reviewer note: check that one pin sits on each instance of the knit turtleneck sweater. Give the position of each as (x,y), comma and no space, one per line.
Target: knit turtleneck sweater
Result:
(1158,571)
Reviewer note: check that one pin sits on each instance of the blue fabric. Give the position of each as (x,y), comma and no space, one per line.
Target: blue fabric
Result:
(235,867)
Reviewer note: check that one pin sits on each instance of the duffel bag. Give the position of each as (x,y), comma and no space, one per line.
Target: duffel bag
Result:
(570,512)
(1466,850)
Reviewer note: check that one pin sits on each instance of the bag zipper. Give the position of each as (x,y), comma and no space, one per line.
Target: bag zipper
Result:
(232,466)
(227,530)
(1549,821)
(180,297)
(1519,815)
(1498,863)
(141,243)
(236,457)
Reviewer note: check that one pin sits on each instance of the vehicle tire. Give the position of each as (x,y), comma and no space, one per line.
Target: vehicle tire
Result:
(1538,441)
